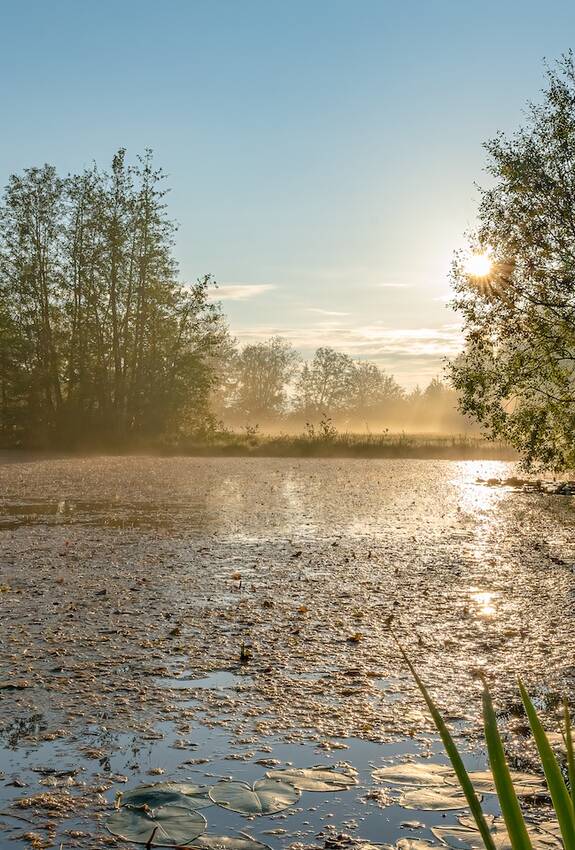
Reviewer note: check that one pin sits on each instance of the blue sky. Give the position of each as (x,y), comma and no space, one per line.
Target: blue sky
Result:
(322,154)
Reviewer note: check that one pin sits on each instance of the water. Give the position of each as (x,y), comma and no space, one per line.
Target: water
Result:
(128,587)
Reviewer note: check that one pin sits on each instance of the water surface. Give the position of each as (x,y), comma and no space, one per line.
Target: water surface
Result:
(129,586)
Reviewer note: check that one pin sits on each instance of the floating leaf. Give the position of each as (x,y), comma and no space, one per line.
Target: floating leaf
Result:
(228,842)
(170,826)
(433,799)
(439,775)
(314,778)
(158,794)
(466,836)
(402,844)
(411,773)
(525,784)
(265,797)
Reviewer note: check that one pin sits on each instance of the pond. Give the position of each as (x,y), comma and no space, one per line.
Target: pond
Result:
(193,619)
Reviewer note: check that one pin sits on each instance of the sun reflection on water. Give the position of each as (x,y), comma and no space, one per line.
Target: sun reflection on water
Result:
(484,601)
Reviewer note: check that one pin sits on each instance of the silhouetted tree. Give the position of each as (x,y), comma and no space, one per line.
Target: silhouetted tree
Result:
(517,373)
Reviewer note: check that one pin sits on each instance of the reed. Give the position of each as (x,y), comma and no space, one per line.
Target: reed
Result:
(561,796)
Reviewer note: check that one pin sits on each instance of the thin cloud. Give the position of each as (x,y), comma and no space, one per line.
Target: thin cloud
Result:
(240,291)
(368,340)
(412,355)
(323,312)
(394,285)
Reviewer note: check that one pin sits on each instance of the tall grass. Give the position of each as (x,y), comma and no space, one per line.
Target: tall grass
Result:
(561,798)
(314,443)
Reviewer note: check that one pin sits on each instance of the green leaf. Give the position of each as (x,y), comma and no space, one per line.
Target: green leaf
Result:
(505,792)
(158,794)
(559,794)
(569,747)
(314,778)
(265,797)
(455,758)
(167,826)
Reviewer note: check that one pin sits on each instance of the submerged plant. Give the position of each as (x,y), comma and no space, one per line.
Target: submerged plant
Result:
(561,797)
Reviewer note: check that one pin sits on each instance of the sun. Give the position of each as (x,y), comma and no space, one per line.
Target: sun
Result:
(478,265)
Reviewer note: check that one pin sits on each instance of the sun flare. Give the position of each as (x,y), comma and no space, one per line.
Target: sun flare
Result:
(478,265)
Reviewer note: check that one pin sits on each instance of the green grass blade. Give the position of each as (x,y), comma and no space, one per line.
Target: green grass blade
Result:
(510,808)
(569,747)
(454,757)
(559,794)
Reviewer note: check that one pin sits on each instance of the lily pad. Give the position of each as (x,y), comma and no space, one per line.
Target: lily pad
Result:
(413,844)
(411,773)
(158,794)
(265,797)
(228,842)
(170,825)
(433,799)
(466,836)
(314,778)
(525,784)
(401,844)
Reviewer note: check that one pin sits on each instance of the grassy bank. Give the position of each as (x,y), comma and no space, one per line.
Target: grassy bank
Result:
(228,443)
(432,446)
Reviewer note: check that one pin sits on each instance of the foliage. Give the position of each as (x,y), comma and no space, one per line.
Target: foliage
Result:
(518,834)
(517,372)
(261,374)
(97,337)
(325,384)
(266,384)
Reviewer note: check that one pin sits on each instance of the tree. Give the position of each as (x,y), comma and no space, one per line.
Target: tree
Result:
(372,391)
(98,338)
(325,384)
(517,372)
(262,374)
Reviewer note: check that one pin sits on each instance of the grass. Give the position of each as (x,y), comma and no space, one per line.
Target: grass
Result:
(312,443)
(561,797)
(344,444)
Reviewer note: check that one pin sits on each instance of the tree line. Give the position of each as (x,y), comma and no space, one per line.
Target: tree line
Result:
(268,384)
(101,344)
(98,339)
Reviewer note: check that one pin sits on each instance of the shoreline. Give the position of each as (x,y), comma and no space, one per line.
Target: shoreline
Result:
(347,446)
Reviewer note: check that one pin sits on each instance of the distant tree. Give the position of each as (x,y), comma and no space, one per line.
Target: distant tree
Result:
(98,337)
(263,372)
(372,390)
(517,372)
(325,385)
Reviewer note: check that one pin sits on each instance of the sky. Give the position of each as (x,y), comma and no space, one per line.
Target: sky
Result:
(322,155)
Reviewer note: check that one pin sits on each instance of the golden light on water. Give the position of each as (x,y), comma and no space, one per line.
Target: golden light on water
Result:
(485,603)
(478,265)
